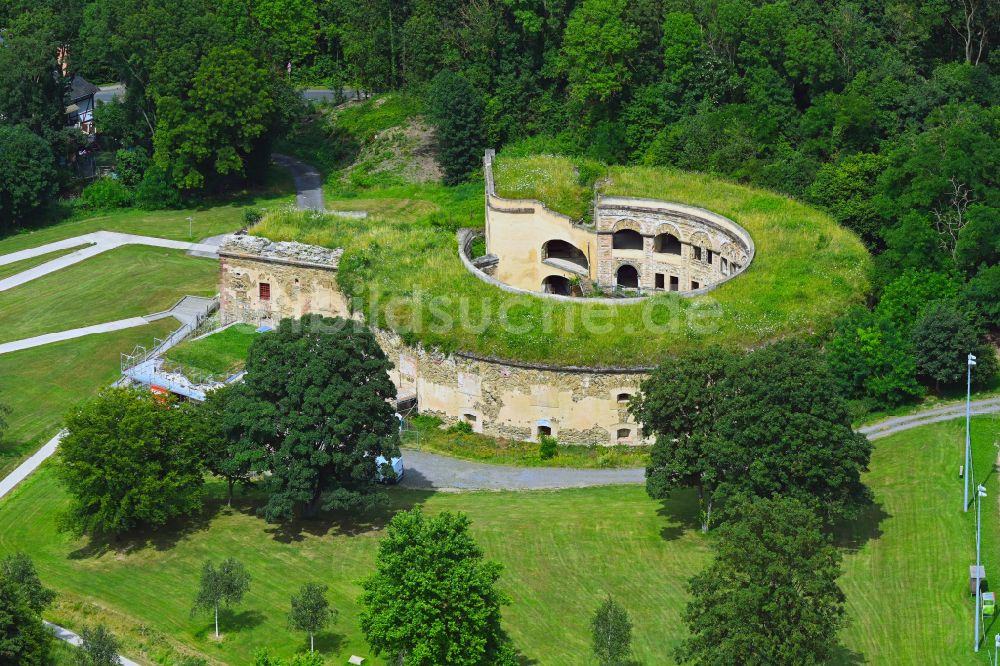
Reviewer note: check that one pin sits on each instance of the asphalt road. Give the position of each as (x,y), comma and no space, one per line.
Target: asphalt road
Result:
(108,93)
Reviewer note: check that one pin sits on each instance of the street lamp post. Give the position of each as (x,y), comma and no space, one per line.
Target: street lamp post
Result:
(191,231)
(980,494)
(968,439)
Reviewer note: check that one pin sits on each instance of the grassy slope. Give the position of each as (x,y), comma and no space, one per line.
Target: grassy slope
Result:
(404,257)
(218,355)
(905,570)
(129,281)
(7,270)
(41,384)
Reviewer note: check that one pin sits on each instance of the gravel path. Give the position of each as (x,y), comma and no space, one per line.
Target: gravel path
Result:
(74,640)
(895,424)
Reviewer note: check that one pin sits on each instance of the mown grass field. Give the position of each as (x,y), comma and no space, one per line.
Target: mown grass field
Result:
(41,384)
(129,281)
(215,356)
(13,268)
(906,564)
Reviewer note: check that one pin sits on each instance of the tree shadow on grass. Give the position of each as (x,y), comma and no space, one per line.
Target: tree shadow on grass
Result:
(231,622)
(853,534)
(350,523)
(681,510)
(326,641)
(844,656)
(161,538)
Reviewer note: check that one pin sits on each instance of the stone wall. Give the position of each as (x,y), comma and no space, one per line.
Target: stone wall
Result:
(498,398)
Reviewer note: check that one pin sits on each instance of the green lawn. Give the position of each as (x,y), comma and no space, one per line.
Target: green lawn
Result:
(562,551)
(7,270)
(129,281)
(215,356)
(41,384)
(210,220)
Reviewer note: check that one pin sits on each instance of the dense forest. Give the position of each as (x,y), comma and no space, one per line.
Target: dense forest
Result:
(886,113)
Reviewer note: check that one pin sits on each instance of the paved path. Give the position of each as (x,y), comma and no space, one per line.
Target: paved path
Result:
(48,338)
(100,241)
(74,640)
(308,183)
(428,470)
(22,471)
(895,424)
(108,93)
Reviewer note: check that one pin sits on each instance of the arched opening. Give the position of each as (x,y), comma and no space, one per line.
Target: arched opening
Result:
(628,277)
(666,244)
(543,431)
(624,434)
(556,284)
(624,397)
(627,239)
(560,249)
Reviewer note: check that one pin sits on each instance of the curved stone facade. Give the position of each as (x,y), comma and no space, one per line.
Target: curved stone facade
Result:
(642,244)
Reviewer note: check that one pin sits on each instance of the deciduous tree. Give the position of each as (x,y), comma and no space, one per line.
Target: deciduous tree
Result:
(457,112)
(311,611)
(596,45)
(770,596)
(24,640)
(19,568)
(225,585)
(99,647)
(127,462)
(316,402)
(611,631)
(433,597)
(27,174)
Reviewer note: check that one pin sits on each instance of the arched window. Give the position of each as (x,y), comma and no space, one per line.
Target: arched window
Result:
(627,239)
(624,434)
(624,397)
(555,284)
(560,249)
(628,277)
(666,244)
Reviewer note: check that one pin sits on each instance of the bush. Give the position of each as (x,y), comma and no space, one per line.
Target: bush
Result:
(461,426)
(106,194)
(548,447)
(130,165)
(252,216)
(157,190)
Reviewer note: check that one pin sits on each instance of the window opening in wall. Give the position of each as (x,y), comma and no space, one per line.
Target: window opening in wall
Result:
(628,277)
(624,434)
(626,239)
(725,266)
(544,430)
(265,291)
(469,418)
(666,244)
(624,397)
(659,280)
(556,284)
(711,256)
(559,249)
(674,283)
(695,285)
(697,252)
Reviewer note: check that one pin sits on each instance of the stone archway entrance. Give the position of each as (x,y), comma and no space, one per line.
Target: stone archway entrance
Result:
(627,277)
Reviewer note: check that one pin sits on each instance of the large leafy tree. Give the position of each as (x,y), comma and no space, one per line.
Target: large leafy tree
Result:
(316,403)
(27,175)
(433,598)
(34,88)
(770,596)
(223,119)
(127,462)
(942,339)
(679,405)
(784,429)
(596,46)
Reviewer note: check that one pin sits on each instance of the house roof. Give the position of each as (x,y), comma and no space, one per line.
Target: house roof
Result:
(81,88)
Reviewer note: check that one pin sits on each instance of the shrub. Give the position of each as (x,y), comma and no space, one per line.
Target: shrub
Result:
(130,165)
(548,447)
(252,216)
(157,190)
(105,194)
(460,426)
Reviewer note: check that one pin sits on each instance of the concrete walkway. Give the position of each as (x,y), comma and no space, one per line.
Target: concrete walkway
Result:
(308,183)
(74,640)
(22,471)
(101,241)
